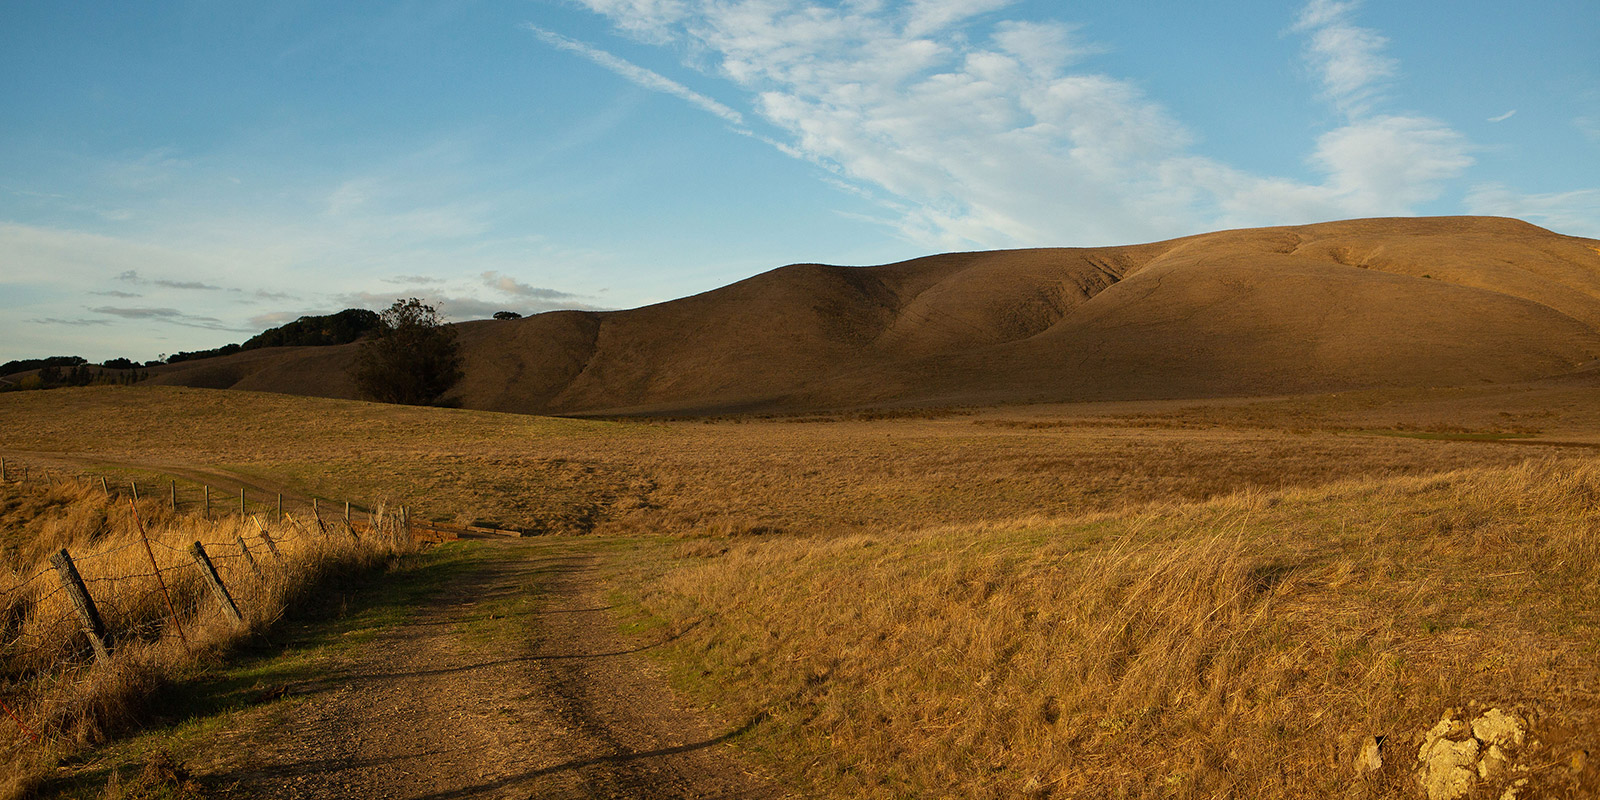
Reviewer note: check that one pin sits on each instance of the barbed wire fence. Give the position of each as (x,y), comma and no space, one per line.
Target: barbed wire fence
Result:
(162,560)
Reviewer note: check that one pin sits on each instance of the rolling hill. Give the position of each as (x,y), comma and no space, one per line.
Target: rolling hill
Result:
(1444,301)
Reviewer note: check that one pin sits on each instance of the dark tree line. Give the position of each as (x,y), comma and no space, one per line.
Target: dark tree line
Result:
(309,331)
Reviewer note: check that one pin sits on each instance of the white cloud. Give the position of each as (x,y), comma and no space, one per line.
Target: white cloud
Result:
(1503,117)
(1388,165)
(637,74)
(1349,59)
(970,130)
(516,288)
(1574,213)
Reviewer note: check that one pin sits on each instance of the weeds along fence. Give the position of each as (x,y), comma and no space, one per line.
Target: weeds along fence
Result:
(104,586)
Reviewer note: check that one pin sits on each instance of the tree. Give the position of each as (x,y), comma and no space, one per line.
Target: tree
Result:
(413,359)
(507,315)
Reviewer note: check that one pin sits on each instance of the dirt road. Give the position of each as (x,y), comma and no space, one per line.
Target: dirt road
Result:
(447,706)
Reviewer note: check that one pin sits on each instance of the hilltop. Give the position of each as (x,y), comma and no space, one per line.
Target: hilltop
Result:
(1406,302)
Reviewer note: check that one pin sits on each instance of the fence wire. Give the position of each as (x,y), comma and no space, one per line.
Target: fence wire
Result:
(141,594)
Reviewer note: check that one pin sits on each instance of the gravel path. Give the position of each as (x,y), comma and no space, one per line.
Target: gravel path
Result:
(569,709)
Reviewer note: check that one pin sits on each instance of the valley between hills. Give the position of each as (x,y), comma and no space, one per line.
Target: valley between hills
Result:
(1290,512)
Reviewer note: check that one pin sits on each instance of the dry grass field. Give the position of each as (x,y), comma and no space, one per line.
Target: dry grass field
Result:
(58,696)
(1160,599)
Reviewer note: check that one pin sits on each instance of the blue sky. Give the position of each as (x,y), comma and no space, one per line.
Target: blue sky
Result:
(179,175)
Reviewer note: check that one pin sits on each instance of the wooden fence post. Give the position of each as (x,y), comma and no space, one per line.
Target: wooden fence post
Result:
(209,572)
(162,582)
(347,513)
(208,500)
(249,557)
(280,507)
(266,538)
(133,486)
(318,514)
(88,615)
(172,489)
(105,487)
(241,502)
(2,470)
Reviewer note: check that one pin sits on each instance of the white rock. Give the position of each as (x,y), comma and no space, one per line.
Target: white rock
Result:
(1440,730)
(1449,769)
(1494,763)
(1370,759)
(1498,728)
(1514,791)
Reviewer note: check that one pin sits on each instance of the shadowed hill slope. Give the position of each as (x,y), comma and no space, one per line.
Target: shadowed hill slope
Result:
(1361,303)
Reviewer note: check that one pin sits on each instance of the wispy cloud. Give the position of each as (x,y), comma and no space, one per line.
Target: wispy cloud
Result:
(1576,212)
(117,293)
(637,74)
(169,315)
(72,322)
(273,319)
(866,91)
(511,286)
(1503,117)
(414,280)
(133,276)
(1349,59)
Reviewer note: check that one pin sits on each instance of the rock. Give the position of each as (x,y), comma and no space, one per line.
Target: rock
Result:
(1370,758)
(1440,730)
(1494,764)
(1498,728)
(1449,768)
(1514,791)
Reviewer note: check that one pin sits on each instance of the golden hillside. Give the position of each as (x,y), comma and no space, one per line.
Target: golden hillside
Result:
(1447,301)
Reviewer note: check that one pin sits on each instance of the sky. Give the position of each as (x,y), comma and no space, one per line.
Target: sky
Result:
(180,175)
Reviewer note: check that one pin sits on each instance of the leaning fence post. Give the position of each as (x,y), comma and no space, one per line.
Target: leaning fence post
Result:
(249,557)
(105,487)
(266,538)
(88,615)
(133,486)
(162,582)
(318,514)
(209,572)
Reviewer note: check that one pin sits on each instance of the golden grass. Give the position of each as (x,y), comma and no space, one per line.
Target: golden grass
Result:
(51,679)
(1203,601)
(1241,647)
(845,476)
